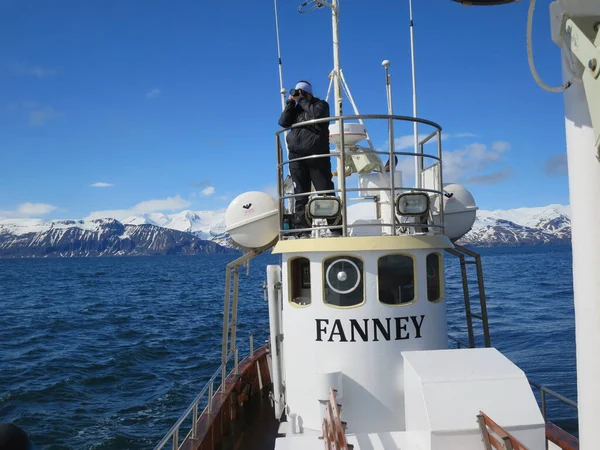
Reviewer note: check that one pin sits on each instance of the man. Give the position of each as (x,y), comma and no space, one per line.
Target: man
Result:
(305,141)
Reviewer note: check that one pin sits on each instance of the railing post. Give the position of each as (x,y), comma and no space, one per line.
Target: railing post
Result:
(280,183)
(210,396)
(543,391)
(392,172)
(225,324)
(176,439)
(194,420)
(251,344)
(342,178)
(439,155)
(236,361)
(234,306)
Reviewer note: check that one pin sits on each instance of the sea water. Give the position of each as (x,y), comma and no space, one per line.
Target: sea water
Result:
(106,353)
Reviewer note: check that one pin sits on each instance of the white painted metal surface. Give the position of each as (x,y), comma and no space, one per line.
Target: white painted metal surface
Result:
(414,89)
(274,299)
(584,186)
(446,389)
(394,440)
(252,219)
(320,339)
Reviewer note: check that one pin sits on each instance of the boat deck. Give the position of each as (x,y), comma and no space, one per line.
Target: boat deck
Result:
(396,440)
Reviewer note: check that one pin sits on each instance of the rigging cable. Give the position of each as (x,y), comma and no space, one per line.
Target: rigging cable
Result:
(530,55)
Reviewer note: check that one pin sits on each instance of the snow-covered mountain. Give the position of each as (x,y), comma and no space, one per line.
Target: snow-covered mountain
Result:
(207,225)
(99,237)
(204,232)
(522,226)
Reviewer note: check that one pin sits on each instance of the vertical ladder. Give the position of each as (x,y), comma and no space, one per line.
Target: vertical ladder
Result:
(463,254)
(334,430)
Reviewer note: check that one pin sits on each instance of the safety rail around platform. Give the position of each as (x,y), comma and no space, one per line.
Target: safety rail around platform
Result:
(543,389)
(208,391)
(341,153)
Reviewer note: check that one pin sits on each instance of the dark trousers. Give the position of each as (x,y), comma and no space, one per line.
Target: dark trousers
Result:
(317,171)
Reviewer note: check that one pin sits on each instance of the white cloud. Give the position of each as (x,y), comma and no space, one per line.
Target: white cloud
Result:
(272,191)
(35,209)
(154,93)
(37,114)
(222,197)
(407,141)
(468,165)
(29,209)
(41,116)
(101,184)
(500,146)
(490,178)
(556,165)
(146,207)
(23,69)
(210,190)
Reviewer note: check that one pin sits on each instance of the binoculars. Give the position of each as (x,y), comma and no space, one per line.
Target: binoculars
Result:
(294,92)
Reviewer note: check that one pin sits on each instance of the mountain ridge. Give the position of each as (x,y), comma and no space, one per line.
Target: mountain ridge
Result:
(193,232)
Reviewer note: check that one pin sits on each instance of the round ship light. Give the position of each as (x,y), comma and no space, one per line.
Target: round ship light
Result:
(343,276)
(412,204)
(324,208)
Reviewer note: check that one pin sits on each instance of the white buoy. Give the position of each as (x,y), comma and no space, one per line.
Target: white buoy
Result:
(252,219)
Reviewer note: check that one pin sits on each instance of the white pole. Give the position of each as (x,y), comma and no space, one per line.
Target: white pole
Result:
(337,88)
(337,92)
(388,87)
(414,86)
(281,88)
(584,184)
(273,278)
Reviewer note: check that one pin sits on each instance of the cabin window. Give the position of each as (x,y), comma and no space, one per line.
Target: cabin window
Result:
(343,281)
(396,279)
(299,269)
(434,291)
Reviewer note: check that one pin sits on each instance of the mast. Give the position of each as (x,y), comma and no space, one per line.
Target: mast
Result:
(575,34)
(337,91)
(280,63)
(414,88)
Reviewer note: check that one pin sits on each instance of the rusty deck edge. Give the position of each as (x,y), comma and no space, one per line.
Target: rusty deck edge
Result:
(225,406)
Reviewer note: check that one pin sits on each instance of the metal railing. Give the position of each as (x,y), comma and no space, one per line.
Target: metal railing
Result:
(341,154)
(543,390)
(208,391)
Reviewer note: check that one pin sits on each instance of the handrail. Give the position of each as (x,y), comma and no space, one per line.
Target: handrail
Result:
(362,116)
(391,190)
(173,433)
(544,390)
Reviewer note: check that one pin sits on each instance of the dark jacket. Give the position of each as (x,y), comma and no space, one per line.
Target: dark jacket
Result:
(309,139)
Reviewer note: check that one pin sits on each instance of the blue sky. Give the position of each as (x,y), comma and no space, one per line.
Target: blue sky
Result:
(175,104)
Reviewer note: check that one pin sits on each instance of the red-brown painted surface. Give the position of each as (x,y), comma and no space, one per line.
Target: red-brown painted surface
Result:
(242,417)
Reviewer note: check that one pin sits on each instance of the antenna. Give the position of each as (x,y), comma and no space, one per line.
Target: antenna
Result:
(282,89)
(388,86)
(312,5)
(414,86)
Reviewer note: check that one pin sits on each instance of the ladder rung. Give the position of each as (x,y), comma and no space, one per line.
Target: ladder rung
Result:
(470,262)
(477,316)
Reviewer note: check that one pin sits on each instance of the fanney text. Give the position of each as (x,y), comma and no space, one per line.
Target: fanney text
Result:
(353,330)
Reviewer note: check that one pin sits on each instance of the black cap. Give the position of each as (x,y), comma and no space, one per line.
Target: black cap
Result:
(13,438)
